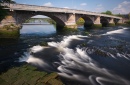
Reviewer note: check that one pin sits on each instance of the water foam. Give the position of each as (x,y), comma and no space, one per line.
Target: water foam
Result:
(75,63)
(119,31)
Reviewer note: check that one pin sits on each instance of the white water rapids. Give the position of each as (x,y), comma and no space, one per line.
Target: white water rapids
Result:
(75,64)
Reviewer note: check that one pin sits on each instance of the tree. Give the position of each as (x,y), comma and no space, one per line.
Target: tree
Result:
(107,12)
(119,15)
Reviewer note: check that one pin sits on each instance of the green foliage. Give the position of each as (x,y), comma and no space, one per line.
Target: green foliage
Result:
(97,26)
(128,22)
(80,21)
(107,12)
(9,34)
(10,27)
(69,30)
(111,24)
(28,75)
(119,15)
(10,31)
(122,24)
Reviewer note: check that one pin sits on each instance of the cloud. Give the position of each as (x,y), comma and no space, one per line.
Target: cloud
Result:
(122,8)
(99,8)
(83,4)
(48,4)
(66,7)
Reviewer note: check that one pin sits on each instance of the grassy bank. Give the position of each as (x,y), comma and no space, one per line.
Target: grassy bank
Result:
(122,24)
(9,31)
(28,75)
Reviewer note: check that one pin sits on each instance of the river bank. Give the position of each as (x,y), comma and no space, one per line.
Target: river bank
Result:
(28,75)
(10,31)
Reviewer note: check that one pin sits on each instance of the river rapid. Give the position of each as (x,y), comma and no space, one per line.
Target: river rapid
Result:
(98,57)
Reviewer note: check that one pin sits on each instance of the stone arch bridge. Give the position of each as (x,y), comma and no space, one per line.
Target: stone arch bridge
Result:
(62,16)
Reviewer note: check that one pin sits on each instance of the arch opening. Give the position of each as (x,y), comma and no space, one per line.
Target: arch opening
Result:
(50,19)
(88,22)
(39,19)
(104,22)
(80,21)
(116,21)
(38,24)
(85,21)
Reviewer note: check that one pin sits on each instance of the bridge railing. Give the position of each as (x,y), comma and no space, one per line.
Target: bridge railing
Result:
(53,9)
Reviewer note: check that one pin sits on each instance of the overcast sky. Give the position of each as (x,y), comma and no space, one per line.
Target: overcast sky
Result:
(116,6)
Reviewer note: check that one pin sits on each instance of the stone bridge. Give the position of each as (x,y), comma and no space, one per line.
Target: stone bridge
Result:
(62,16)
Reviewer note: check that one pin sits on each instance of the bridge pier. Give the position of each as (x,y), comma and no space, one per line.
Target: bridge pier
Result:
(97,22)
(120,22)
(71,21)
(111,22)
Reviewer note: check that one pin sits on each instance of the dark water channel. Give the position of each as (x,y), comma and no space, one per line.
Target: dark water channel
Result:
(94,57)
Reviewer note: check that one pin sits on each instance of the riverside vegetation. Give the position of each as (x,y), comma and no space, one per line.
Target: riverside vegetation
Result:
(28,75)
(10,31)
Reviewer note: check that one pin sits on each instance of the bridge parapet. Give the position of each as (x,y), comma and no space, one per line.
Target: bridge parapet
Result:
(53,9)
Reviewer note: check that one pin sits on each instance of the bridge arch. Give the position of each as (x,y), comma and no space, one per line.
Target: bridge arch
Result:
(88,20)
(21,16)
(104,21)
(117,21)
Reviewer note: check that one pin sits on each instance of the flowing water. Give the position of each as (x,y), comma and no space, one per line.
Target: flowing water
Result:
(100,58)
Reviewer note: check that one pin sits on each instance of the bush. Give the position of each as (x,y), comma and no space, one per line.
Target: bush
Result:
(111,24)
(128,22)
(122,24)
(97,26)
(9,34)
(10,27)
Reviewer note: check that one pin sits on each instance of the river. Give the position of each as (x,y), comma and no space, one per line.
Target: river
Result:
(95,57)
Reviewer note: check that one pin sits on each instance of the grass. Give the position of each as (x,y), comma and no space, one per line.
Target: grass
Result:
(111,24)
(9,34)
(122,24)
(97,26)
(10,31)
(28,75)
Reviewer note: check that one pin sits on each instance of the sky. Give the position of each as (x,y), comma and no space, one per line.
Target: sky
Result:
(115,6)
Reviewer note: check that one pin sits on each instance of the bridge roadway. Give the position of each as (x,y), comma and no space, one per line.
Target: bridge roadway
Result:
(69,16)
